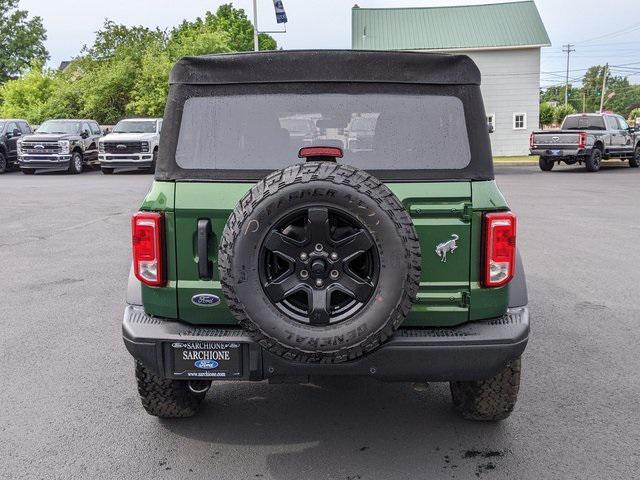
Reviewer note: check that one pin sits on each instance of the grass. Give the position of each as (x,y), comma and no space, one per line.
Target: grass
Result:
(517,159)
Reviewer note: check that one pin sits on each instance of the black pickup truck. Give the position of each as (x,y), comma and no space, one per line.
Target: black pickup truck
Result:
(587,138)
(10,132)
(69,145)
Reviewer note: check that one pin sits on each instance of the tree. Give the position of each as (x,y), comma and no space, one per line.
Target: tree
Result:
(125,71)
(562,111)
(634,115)
(21,40)
(547,114)
(27,96)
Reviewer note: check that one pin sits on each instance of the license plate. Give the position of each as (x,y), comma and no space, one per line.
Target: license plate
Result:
(555,153)
(211,360)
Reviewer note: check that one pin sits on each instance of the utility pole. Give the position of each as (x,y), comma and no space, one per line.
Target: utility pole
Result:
(584,100)
(604,86)
(567,48)
(256,45)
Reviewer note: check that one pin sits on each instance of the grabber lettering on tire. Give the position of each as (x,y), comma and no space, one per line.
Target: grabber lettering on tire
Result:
(320,262)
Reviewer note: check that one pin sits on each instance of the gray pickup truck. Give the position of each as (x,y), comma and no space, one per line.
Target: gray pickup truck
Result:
(587,138)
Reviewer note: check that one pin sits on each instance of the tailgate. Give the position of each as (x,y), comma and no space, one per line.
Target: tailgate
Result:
(439,211)
(556,139)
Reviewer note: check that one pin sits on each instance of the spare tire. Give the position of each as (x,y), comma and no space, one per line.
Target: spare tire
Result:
(320,262)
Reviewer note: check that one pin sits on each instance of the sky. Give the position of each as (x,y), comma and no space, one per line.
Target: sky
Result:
(600,35)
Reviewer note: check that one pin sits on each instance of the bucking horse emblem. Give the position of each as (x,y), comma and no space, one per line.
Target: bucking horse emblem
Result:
(447,247)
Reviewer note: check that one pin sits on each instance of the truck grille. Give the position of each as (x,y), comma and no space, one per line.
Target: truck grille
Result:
(40,148)
(125,147)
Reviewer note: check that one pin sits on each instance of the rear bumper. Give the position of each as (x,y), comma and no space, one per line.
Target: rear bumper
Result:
(473,351)
(560,152)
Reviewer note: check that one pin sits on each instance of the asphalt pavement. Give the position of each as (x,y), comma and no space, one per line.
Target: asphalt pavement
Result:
(70,409)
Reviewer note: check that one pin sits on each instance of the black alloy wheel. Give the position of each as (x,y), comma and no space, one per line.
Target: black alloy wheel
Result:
(319,265)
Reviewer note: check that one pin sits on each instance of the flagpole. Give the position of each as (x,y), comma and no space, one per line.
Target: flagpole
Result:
(256,45)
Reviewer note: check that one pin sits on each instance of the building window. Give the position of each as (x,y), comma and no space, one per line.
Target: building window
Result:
(519,121)
(491,122)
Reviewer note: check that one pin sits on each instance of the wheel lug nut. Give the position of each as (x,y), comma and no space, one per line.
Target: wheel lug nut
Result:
(303,256)
(319,283)
(319,247)
(334,274)
(333,256)
(304,274)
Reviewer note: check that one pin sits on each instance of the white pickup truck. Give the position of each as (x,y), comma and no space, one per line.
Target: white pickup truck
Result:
(132,144)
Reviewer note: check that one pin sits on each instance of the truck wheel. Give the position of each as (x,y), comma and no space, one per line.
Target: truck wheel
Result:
(28,171)
(75,164)
(635,161)
(593,161)
(488,400)
(107,170)
(166,398)
(3,163)
(545,164)
(319,262)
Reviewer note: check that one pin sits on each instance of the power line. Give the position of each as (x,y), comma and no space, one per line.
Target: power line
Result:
(615,33)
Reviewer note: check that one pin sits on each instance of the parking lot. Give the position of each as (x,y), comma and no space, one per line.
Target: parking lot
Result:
(70,407)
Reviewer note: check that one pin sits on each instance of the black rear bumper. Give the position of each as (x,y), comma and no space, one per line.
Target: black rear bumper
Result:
(473,351)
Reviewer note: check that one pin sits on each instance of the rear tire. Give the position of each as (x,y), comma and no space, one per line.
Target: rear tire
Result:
(166,398)
(28,171)
(76,163)
(488,400)
(635,161)
(593,161)
(545,164)
(107,171)
(3,163)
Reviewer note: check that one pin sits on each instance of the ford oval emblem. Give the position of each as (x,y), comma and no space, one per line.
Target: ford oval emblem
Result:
(205,300)
(206,364)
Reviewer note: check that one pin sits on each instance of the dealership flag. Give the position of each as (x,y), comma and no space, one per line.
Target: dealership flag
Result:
(281,15)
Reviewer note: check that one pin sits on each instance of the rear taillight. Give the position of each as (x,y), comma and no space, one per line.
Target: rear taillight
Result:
(499,248)
(531,141)
(148,255)
(582,140)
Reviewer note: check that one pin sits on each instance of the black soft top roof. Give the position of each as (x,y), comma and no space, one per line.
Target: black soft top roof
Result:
(327,66)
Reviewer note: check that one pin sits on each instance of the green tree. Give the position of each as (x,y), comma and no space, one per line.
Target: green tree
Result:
(21,40)
(555,93)
(26,97)
(562,111)
(547,114)
(633,115)
(125,71)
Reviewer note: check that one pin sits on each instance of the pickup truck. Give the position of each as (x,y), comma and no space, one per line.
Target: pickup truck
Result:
(10,132)
(132,144)
(62,144)
(587,138)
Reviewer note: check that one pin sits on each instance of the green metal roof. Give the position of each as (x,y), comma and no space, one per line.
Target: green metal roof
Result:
(514,24)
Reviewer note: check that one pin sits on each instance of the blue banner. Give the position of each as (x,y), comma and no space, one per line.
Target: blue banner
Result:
(281,15)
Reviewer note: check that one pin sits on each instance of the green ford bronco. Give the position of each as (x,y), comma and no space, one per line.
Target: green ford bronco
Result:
(324,213)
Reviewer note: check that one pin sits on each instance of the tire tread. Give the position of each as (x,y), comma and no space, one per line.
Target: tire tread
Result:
(363,183)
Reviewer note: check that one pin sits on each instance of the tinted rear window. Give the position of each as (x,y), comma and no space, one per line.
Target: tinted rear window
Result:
(375,131)
(587,122)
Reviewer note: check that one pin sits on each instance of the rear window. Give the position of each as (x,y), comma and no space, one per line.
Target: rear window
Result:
(375,131)
(586,122)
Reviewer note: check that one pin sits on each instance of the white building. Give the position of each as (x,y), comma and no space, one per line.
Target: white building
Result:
(504,40)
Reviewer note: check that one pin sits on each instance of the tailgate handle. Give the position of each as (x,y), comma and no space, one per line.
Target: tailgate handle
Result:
(204,265)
